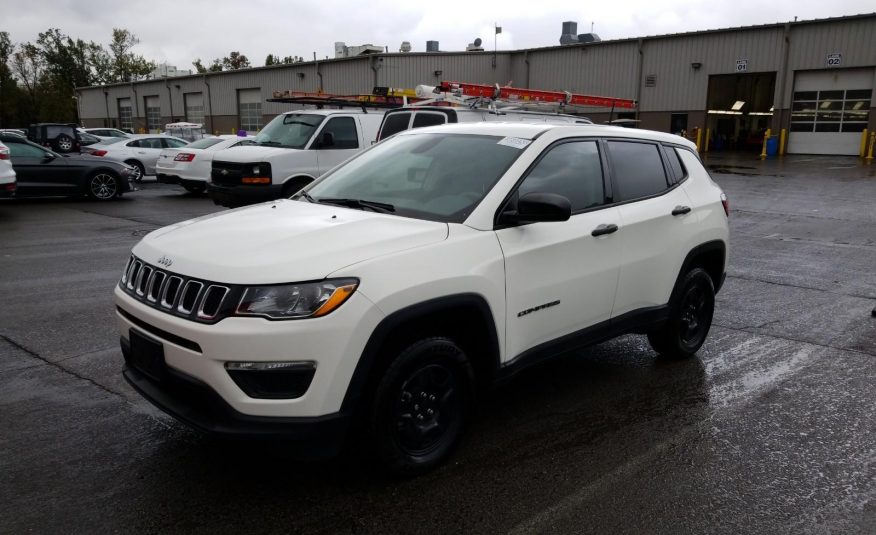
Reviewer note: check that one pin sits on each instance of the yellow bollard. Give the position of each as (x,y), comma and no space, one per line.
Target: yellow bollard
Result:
(863,150)
(699,139)
(783,135)
(707,141)
(872,141)
(766,136)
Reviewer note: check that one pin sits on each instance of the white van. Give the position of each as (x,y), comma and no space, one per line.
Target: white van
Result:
(289,153)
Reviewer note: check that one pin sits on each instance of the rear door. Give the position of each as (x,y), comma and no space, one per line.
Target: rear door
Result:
(345,142)
(148,151)
(656,218)
(560,278)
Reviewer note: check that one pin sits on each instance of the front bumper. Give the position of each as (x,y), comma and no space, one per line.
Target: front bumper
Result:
(201,351)
(243,194)
(194,403)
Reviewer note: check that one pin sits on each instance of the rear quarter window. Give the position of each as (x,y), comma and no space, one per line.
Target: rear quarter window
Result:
(637,169)
(675,165)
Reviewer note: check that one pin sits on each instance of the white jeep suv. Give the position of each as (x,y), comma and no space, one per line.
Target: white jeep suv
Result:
(379,298)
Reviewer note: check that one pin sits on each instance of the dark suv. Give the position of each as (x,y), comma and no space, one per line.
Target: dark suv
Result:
(61,137)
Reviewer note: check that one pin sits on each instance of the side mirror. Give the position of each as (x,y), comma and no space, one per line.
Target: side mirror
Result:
(48,157)
(326,139)
(537,208)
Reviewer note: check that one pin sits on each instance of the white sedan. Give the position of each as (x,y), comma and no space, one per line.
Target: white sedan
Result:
(7,174)
(139,151)
(190,166)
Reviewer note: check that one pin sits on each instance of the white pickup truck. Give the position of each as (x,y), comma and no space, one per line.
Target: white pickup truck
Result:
(289,153)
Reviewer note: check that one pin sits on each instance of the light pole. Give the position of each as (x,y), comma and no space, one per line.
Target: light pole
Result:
(498,30)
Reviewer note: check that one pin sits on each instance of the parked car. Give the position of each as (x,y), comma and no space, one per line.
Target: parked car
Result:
(289,153)
(41,172)
(16,131)
(86,139)
(413,116)
(383,295)
(106,133)
(190,166)
(7,173)
(60,137)
(139,151)
(188,131)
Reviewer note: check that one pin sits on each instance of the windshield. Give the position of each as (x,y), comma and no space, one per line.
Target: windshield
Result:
(206,142)
(292,130)
(439,177)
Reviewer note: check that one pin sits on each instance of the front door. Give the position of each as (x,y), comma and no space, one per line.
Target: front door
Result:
(559,278)
(40,172)
(344,142)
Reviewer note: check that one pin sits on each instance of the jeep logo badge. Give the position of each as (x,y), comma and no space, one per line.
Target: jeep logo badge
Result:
(164,261)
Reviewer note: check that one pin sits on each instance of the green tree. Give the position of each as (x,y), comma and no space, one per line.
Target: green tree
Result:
(127,66)
(235,60)
(10,93)
(269,60)
(28,67)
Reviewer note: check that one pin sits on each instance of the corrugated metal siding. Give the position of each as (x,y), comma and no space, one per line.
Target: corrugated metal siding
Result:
(680,87)
(609,69)
(408,71)
(603,70)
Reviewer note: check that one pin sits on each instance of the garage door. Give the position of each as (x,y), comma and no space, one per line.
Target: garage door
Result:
(830,110)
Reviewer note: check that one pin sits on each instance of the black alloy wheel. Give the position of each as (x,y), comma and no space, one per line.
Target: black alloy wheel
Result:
(103,187)
(691,309)
(421,406)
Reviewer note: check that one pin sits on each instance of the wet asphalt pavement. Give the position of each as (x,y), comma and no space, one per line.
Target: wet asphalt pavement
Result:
(770,429)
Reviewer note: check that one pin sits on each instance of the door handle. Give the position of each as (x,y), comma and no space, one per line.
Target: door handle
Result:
(680,210)
(604,229)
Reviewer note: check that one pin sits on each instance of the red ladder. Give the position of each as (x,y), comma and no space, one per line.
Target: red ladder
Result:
(513,94)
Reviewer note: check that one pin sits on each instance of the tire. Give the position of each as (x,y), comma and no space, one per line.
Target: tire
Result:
(420,406)
(64,143)
(194,187)
(691,308)
(140,170)
(103,186)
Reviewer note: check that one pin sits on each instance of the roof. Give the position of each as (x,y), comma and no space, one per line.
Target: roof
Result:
(532,130)
(504,52)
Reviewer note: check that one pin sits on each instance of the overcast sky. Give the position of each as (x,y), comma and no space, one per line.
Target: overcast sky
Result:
(178,31)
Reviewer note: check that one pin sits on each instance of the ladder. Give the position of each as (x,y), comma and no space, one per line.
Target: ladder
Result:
(516,95)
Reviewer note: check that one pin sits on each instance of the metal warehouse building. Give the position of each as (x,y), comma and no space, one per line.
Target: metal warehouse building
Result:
(814,79)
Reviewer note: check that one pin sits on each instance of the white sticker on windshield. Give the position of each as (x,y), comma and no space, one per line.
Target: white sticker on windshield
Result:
(516,142)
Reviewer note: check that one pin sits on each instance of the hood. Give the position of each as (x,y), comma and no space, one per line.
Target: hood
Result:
(247,154)
(282,241)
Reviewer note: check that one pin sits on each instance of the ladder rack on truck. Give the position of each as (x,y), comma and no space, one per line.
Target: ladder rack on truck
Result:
(454,94)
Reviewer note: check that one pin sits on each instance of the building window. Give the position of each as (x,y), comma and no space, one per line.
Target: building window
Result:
(153,114)
(249,104)
(194,103)
(831,111)
(126,120)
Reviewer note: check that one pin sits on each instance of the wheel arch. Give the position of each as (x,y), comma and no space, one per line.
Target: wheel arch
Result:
(465,318)
(711,256)
(298,178)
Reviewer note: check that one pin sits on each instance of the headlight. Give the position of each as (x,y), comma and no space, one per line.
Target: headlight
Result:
(294,301)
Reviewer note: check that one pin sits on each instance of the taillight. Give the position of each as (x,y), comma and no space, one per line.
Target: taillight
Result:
(184,157)
(725,204)
(98,153)
(4,154)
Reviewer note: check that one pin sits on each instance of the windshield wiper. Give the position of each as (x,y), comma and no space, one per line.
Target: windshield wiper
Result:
(269,143)
(306,196)
(361,204)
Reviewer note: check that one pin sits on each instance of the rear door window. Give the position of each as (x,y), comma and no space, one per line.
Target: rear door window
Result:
(394,123)
(637,169)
